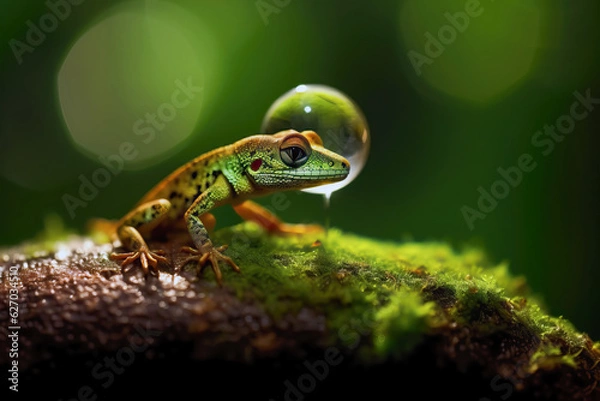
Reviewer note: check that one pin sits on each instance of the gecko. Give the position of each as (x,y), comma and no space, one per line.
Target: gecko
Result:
(255,166)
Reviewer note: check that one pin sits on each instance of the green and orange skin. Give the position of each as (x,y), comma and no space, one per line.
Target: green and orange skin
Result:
(255,166)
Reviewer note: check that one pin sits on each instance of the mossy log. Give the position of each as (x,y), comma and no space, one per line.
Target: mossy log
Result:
(309,317)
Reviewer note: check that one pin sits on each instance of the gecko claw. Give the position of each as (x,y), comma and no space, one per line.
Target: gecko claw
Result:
(148,259)
(209,256)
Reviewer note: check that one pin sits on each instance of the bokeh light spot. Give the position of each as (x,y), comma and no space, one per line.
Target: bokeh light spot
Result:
(137,78)
(473,50)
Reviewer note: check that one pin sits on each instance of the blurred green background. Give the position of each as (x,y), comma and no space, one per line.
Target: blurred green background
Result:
(439,131)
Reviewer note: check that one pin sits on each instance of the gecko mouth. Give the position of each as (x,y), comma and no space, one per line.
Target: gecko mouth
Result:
(309,174)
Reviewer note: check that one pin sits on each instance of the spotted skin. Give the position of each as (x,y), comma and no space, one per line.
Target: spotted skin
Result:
(233,174)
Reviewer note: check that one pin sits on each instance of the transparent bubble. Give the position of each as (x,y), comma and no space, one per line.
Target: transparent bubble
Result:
(330,113)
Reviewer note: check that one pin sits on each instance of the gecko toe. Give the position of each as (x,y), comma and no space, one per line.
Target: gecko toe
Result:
(231,263)
(119,256)
(222,248)
(209,256)
(148,260)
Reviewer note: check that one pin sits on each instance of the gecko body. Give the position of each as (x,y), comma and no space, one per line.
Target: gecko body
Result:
(254,166)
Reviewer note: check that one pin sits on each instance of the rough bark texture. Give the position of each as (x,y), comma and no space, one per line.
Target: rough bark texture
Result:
(358,325)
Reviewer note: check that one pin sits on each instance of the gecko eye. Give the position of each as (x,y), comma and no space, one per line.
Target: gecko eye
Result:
(294,151)
(294,156)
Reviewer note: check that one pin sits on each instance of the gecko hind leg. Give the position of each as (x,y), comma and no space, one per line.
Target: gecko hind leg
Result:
(144,217)
(252,211)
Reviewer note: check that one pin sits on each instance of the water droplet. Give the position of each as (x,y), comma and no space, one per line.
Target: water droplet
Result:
(327,203)
(330,113)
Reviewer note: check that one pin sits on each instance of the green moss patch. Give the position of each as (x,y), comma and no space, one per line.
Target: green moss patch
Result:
(388,296)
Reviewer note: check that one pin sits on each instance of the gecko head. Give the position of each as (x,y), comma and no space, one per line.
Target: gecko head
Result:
(292,160)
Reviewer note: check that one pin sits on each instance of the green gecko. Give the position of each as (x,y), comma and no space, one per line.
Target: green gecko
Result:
(254,166)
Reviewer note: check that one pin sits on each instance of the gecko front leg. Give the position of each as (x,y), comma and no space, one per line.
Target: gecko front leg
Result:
(204,252)
(144,218)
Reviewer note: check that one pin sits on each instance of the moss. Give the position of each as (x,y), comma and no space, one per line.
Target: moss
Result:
(45,241)
(402,322)
(388,295)
(548,356)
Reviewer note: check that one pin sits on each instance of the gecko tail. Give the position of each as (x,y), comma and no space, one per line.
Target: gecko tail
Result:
(104,226)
